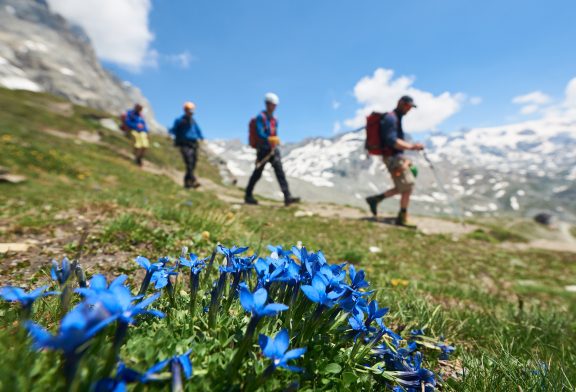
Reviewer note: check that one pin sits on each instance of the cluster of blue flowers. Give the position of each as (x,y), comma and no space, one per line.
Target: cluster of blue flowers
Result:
(297,288)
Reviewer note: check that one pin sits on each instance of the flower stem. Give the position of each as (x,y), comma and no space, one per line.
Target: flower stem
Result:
(243,346)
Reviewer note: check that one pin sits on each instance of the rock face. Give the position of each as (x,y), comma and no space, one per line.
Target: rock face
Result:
(41,51)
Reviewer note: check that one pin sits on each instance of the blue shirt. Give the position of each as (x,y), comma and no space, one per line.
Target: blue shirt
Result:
(135,121)
(186,129)
(391,130)
(264,128)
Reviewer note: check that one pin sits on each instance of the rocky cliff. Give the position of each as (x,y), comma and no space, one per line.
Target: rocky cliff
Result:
(41,51)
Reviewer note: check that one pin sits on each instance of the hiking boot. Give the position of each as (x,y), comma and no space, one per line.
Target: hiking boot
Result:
(402,220)
(291,200)
(373,204)
(250,200)
(196,184)
(138,161)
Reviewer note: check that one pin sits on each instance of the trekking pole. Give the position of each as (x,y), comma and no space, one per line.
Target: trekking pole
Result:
(440,183)
(265,159)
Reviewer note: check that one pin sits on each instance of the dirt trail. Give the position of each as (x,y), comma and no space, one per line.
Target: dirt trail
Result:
(427,225)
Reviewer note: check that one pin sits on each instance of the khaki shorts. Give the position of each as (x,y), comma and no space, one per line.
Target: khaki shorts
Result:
(140,139)
(403,179)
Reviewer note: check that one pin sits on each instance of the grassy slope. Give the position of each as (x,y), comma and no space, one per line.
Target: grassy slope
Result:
(504,309)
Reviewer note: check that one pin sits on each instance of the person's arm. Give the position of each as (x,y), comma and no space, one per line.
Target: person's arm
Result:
(200,136)
(144,127)
(389,135)
(172,131)
(404,145)
(261,130)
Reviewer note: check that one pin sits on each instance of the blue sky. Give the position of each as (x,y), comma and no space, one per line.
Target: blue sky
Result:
(224,55)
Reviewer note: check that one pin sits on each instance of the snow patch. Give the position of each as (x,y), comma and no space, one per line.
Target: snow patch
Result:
(18,83)
(67,71)
(514,203)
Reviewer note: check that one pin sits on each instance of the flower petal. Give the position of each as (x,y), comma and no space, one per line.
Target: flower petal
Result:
(311,293)
(282,341)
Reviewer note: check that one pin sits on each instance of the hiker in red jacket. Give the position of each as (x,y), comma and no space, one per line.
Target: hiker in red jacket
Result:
(393,145)
(264,131)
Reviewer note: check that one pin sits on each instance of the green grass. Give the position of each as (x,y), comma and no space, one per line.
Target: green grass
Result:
(506,310)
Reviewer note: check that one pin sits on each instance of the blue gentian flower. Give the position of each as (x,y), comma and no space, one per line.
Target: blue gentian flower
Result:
(415,377)
(268,271)
(196,265)
(353,303)
(161,278)
(374,313)
(356,321)
(318,292)
(61,274)
(357,281)
(178,364)
(446,351)
(123,377)
(150,269)
(231,252)
(16,294)
(117,299)
(275,349)
(279,251)
(80,325)
(256,303)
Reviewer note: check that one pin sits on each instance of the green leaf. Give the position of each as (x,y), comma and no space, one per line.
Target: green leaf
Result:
(333,368)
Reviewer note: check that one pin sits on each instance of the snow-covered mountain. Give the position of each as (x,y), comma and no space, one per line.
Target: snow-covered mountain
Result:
(520,169)
(41,51)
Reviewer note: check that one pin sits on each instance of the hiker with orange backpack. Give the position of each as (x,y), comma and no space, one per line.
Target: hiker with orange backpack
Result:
(187,136)
(263,136)
(385,137)
(135,122)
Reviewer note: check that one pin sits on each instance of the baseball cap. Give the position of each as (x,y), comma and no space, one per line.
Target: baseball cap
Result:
(409,100)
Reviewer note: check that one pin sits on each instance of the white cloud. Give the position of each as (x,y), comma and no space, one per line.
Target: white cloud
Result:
(380,92)
(182,60)
(532,102)
(535,98)
(118,29)
(475,100)
(336,105)
(529,109)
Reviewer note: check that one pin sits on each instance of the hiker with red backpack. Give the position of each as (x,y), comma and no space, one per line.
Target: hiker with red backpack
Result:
(263,136)
(187,136)
(385,137)
(134,121)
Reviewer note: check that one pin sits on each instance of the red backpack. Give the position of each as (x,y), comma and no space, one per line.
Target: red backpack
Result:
(253,138)
(373,142)
(123,126)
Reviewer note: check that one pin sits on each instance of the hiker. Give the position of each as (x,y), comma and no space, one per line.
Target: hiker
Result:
(137,125)
(392,147)
(264,138)
(187,136)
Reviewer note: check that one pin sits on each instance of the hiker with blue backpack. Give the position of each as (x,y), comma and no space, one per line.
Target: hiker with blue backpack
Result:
(134,121)
(263,136)
(187,136)
(385,137)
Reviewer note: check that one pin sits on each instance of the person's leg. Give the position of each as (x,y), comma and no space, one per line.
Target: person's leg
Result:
(405,200)
(256,174)
(276,163)
(193,158)
(136,141)
(184,151)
